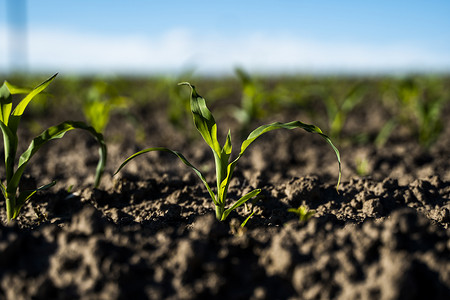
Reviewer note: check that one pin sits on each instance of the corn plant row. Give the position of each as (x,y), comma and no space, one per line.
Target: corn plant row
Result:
(203,121)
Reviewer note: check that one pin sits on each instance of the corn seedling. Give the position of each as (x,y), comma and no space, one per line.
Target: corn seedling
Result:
(177,110)
(303,213)
(207,127)
(338,108)
(101,100)
(9,122)
(362,166)
(251,102)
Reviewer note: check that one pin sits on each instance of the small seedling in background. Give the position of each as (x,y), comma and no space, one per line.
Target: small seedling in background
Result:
(362,166)
(101,100)
(303,213)
(385,132)
(178,110)
(207,127)
(9,123)
(251,107)
(338,107)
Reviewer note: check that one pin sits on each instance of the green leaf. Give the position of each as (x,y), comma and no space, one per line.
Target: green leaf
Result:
(5,103)
(181,157)
(222,169)
(97,114)
(227,148)
(56,132)
(20,108)
(17,90)
(303,213)
(206,125)
(25,195)
(240,202)
(266,128)
(290,125)
(203,119)
(248,218)
(10,146)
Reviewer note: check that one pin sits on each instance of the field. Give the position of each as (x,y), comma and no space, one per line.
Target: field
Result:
(150,231)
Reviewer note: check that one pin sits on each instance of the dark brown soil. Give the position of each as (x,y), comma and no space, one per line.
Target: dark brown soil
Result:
(150,231)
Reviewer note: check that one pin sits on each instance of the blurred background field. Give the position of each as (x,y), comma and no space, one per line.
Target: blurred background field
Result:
(366,73)
(352,110)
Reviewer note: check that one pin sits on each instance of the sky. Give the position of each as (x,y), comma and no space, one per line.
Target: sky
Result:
(214,37)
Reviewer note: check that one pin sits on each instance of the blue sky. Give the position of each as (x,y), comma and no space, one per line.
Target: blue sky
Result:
(214,37)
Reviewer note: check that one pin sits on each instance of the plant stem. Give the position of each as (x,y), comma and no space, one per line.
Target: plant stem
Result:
(219,212)
(10,206)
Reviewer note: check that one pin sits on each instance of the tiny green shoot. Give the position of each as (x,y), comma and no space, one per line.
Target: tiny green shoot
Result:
(362,166)
(9,123)
(303,213)
(207,127)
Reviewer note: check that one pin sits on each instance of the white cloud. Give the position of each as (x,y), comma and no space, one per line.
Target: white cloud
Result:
(3,53)
(56,50)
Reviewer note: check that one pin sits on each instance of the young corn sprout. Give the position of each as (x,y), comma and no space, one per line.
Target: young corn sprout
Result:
(303,213)
(206,125)
(9,122)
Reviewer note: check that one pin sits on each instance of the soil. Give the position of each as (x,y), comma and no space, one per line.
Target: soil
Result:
(150,232)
